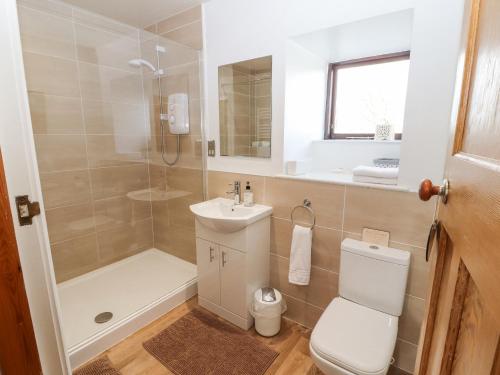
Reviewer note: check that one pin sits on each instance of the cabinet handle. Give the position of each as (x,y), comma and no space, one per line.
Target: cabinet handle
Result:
(212,257)
(224,258)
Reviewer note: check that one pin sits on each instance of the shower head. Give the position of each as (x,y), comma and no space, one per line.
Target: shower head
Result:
(141,62)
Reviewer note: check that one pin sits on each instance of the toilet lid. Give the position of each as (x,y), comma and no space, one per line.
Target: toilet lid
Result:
(355,337)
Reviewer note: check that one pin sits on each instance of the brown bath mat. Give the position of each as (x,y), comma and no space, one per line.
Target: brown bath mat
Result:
(201,344)
(101,366)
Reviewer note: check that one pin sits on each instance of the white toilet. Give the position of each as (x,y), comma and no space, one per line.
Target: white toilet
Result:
(356,334)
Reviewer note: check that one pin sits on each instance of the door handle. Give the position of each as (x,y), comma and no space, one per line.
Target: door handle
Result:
(212,256)
(428,189)
(224,261)
(433,233)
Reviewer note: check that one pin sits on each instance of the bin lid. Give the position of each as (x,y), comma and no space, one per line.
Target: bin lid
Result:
(267,296)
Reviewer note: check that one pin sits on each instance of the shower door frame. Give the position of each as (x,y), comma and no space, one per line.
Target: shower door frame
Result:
(21,173)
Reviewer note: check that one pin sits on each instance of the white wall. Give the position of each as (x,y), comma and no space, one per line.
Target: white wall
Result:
(387,33)
(330,155)
(237,30)
(305,99)
(433,67)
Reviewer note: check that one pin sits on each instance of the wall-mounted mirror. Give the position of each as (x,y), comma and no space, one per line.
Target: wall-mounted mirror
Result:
(245,108)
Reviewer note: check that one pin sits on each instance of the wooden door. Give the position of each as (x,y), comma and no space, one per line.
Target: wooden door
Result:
(207,259)
(18,350)
(460,334)
(233,281)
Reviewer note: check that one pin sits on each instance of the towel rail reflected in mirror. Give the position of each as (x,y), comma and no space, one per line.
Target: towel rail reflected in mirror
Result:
(307,206)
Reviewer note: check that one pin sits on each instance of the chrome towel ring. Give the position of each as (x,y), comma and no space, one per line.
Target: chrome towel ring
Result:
(307,206)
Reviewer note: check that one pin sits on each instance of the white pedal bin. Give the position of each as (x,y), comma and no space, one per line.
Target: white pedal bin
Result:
(267,307)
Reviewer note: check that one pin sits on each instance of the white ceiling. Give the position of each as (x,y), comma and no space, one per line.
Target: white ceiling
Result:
(138,13)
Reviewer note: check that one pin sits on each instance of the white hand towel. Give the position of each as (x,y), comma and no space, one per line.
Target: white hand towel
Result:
(300,256)
(377,172)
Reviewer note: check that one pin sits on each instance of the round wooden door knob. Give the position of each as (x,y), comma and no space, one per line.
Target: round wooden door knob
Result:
(427,190)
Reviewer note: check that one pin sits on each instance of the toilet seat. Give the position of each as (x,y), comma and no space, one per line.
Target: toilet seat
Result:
(355,338)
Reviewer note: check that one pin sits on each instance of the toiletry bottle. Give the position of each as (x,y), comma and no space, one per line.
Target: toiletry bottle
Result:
(248,195)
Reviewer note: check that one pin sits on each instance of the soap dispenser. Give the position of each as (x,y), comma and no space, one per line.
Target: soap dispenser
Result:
(248,195)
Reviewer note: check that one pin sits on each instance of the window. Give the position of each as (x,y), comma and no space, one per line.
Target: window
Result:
(364,93)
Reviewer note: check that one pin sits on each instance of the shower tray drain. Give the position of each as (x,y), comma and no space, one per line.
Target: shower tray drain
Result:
(103,317)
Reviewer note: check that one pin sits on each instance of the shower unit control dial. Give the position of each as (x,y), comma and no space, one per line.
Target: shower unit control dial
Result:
(178,113)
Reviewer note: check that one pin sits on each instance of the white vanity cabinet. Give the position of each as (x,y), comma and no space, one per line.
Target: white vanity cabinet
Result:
(231,267)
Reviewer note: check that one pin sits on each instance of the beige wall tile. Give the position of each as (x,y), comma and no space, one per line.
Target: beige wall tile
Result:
(158,176)
(125,240)
(48,6)
(68,222)
(419,270)
(97,21)
(322,288)
(219,183)
(301,312)
(186,179)
(405,355)
(354,236)
(190,146)
(189,35)
(400,213)
(325,248)
(114,212)
(43,33)
(55,114)
(177,240)
(327,200)
(117,181)
(151,28)
(181,214)
(50,75)
(108,84)
(65,188)
(177,56)
(114,118)
(180,19)
(411,319)
(184,78)
(117,149)
(60,152)
(105,48)
(75,257)
(160,213)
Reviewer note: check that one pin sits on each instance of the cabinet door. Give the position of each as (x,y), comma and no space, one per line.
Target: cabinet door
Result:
(207,259)
(233,281)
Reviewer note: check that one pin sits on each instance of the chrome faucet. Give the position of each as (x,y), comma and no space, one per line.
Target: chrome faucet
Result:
(236,192)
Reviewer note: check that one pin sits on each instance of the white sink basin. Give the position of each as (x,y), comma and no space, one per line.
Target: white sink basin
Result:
(222,215)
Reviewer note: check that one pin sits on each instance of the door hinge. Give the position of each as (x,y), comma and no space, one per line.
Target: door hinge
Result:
(26,209)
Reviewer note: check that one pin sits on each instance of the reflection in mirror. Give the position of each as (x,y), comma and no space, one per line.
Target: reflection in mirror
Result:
(245,108)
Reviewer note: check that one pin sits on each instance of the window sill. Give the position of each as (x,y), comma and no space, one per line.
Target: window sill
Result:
(370,141)
(340,179)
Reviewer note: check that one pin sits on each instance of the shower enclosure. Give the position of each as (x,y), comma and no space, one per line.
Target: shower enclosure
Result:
(121,233)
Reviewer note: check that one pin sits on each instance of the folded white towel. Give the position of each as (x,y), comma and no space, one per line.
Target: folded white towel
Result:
(300,256)
(375,180)
(378,172)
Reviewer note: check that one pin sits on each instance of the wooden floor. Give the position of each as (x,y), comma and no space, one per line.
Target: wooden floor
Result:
(292,343)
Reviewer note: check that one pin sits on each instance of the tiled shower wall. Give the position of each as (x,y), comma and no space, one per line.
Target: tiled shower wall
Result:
(96,125)
(184,28)
(172,221)
(91,134)
(341,211)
